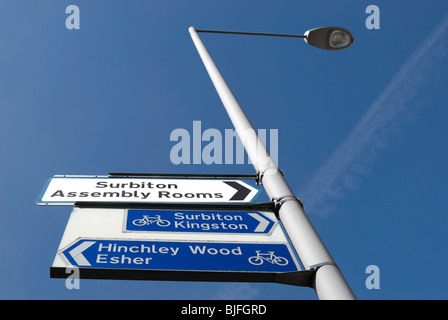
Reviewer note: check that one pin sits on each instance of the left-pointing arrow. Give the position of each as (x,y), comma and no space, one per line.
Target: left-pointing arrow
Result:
(77,255)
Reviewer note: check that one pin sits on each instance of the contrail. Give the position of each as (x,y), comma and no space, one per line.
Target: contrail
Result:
(342,171)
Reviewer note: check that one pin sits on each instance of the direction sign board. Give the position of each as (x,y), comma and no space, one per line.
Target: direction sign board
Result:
(202,221)
(174,255)
(66,190)
(97,243)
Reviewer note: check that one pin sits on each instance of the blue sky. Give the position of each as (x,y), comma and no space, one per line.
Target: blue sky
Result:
(361,132)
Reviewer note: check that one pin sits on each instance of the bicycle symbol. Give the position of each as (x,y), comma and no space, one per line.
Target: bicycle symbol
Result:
(270,257)
(146,220)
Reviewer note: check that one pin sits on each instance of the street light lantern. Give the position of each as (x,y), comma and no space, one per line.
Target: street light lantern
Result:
(329,38)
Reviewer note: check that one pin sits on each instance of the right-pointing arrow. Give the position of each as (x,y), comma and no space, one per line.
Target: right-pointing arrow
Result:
(77,255)
(241,193)
(263,222)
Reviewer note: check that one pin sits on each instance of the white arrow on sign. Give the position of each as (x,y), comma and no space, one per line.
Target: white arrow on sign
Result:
(263,222)
(77,255)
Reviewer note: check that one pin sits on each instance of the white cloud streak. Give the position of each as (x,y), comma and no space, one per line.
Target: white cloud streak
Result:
(343,170)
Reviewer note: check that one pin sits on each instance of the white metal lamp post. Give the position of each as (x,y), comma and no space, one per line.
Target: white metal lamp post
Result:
(329,281)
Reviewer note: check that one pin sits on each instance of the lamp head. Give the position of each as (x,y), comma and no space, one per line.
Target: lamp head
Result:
(329,38)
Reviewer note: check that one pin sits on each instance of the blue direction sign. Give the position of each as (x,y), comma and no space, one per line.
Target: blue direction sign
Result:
(202,221)
(182,256)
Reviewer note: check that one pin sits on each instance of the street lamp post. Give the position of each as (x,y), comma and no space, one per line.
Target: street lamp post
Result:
(329,281)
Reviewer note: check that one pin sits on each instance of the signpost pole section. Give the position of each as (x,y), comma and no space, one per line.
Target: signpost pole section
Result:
(329,281)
